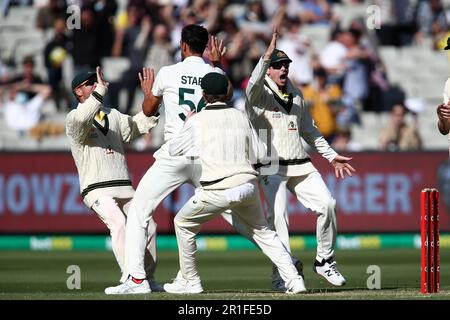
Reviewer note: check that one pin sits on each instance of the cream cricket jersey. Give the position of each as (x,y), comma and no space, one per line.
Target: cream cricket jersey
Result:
(221,137)
(97,146)
(179,85)
(283,121)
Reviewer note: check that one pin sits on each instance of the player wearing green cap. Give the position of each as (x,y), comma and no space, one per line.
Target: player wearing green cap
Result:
(96,135)
(221,137)
(277,110)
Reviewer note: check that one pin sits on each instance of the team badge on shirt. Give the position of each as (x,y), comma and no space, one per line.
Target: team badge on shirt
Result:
(292,126)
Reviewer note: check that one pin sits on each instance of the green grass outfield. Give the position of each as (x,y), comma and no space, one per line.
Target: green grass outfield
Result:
(226,275)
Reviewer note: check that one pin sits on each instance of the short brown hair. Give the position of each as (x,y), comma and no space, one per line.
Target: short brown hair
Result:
(211,98)
(28,60)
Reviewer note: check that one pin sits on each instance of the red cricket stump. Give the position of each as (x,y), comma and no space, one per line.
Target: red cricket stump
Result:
(424,242)
(429,225)
(437,273)
(431,239)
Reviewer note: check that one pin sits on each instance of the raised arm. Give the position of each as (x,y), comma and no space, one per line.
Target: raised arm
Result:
(443,112)
(215,49)
(271,47)
(151,103)
(42,90)
(255,87)
(142,38)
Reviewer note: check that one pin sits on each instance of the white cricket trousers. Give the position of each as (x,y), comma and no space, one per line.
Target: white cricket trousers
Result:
(313,193)
(113,213)
(163,177)
(244,201)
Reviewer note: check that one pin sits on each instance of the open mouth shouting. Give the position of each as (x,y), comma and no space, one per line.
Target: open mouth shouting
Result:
(279,71)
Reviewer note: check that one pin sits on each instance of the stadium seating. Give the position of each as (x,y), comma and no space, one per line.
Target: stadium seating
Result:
(419,70)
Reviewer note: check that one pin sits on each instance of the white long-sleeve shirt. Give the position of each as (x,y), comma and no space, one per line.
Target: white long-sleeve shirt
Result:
(283,122)
(221,137)
(97,147)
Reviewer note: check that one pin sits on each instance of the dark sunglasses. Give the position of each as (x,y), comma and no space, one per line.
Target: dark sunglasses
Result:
(278,65)
(88,82)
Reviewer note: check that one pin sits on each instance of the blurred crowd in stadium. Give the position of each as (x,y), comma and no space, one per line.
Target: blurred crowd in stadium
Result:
(340,80)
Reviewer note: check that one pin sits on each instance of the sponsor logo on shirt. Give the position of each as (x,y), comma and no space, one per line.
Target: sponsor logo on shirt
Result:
(277,113)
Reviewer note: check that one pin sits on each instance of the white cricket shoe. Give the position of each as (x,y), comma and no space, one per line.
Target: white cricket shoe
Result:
(328,270)
(130,287)
(296,286)
(182,286)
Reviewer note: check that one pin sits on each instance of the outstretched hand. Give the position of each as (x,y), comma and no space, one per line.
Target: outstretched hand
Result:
(443,111)
(341,166)
(215,49)
(272,46)
(100,78)
(147,78)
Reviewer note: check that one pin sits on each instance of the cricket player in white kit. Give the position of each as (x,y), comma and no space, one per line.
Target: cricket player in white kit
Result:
(277,109)
(96,135)
(443,112)
(177,87)
(221,137)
